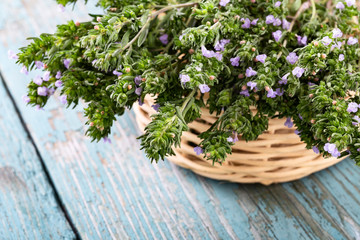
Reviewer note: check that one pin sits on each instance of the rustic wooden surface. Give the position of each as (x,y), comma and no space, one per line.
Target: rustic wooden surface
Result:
(77,189)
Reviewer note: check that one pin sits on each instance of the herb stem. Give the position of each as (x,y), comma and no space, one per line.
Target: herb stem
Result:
(313,15)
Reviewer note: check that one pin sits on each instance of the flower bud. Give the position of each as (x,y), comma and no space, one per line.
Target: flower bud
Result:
(96,27)
(244,87)
(267,88)
(312,121)
(191,51)
(92,124)
(102,112)
(215,20)
(253,49)
(127,69)
(211,78)
(241,76)
(129,87)
(316,43)
(313,73)
(143,79)
(237,17)
(77,24)
(242,41)
(98,19)
(311,95)
(334,102)
(323,56)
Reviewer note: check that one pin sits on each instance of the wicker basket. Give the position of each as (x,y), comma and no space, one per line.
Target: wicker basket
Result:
(278,155)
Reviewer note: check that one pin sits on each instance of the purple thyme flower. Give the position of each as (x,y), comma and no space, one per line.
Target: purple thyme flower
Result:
(254,22)
(138,80)
(315,149)
(117,73)
(67,63)
(204,88)
(261,58)
(94,62)
(207,53)
(352,107)
(277,4)
(235,61)
(38,108)
(39,64)
(341,57)
(250,72)
(42,91)
(164,39)
(230,139)
(61,8)
(156,107)
(297,132)
(271,93)
(26,99)
(269,19)
(277,22)
(12,55)
(288,123)
(279,92)
(46,76)
(331,148)
(198,150)
(246,23)
(285,24)
(58,83)
(138,91)
(336,45)
(252,85)
(284,79)
(352,41)
(51,91)
(218,56)
(38,80)
(107,140)
(298,72)
(311,84)
(277,35)
(184,78)
(223,3)
(326,40)
(357,119)
(24,70)
(220,45)
(337,33)
(302,41)
(245,93)
(340,6)
(58,75)
(292,58)
(350,3)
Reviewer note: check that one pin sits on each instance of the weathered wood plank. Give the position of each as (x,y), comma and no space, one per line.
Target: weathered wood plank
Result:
(113,192)
(28,207)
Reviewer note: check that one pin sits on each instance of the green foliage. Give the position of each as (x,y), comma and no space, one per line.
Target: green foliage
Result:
(194,54)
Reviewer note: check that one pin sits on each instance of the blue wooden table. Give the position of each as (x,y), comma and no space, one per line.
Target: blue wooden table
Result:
(56,184)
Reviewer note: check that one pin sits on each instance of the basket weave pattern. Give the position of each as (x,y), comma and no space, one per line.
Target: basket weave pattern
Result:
(278,155)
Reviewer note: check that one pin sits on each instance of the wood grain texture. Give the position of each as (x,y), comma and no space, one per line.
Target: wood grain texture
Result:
(28,206)
(113,192)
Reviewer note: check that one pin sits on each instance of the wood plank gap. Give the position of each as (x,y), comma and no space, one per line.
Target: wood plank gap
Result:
(43,165)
